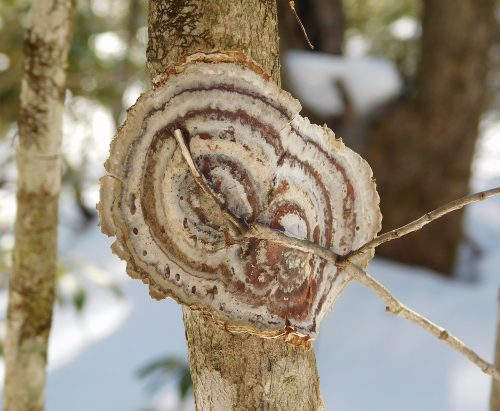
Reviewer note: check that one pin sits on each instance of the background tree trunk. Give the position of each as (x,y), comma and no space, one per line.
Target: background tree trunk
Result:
(323,20)
(232,372)
(329,18)
(421,151)
(31,288)
(495,389)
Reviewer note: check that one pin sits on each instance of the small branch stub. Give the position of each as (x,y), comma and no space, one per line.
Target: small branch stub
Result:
(214,153)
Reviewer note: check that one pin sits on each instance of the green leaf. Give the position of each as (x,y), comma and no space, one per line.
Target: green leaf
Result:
(115,290)
(79,299)
(185,383)
(167,365)
(160,371)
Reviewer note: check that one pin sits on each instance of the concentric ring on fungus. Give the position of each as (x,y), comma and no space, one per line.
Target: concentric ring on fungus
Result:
(267,165)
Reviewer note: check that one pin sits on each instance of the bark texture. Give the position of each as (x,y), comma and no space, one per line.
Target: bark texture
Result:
(31,289)
(495,389)
(422,150)
(229,371)
(181,27)
(244,372)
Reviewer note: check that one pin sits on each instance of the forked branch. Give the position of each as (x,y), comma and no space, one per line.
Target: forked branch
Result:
(394,306)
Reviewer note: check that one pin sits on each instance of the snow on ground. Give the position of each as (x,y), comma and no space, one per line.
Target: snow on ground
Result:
(368,360)
(396,365)
(104,375)
(361,350)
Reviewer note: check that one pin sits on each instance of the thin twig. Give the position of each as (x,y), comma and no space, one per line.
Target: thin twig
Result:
(198,178)
(186,154)
(292,7)
(355,272)
(424,220)
(397,308)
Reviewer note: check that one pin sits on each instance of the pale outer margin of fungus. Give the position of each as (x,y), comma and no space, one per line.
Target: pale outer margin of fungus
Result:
(231,67)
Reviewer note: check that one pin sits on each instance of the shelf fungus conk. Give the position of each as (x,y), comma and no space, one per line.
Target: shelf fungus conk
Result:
(266,165)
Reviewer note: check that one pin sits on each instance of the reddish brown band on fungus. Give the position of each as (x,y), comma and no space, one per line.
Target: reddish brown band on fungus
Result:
(233,115)
(348,214)
(308,169)
(292,309)
(299,304)
(147,197)
(296,307)
(207,163)
(285,208)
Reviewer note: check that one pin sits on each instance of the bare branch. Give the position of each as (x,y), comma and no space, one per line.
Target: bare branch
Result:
(265,233)
(187,155)
(424,220)
(292,7)
(355,272)
(400,310)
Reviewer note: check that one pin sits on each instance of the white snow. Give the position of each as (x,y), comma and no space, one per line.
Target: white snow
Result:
(405,28)
(4,62)
(368,360)
(369,81)
(108,45)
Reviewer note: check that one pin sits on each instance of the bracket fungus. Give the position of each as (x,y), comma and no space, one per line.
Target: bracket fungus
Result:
(263,164)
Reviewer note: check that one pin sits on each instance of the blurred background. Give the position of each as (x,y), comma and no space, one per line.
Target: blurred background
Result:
(413,85)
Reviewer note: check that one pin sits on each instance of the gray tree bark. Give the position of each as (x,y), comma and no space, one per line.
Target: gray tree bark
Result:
(495,388)
(31,288)
(229,371)
(421,150)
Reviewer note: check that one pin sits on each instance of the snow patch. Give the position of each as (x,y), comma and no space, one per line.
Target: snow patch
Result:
(369,81)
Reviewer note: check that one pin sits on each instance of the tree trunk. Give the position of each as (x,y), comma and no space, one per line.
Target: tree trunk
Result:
(421,151)
(323,20)
(31,289)
(329,17)
(495,389)
(229,371)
